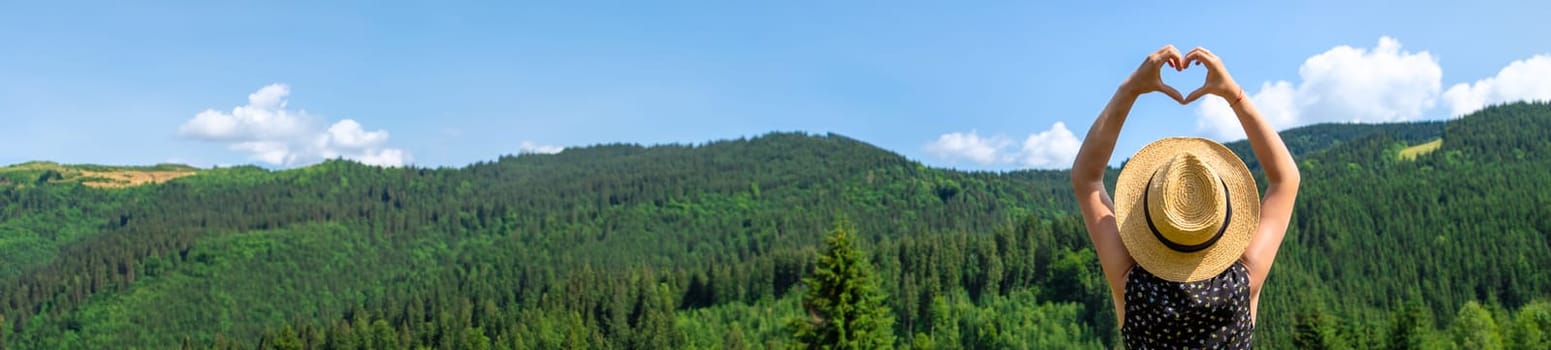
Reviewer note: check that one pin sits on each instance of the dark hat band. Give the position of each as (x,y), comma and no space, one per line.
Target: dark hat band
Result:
(1180,247)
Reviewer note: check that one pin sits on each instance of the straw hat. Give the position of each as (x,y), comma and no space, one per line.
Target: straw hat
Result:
(1186,207)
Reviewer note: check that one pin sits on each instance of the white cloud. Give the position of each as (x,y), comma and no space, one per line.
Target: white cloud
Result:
(348,134)
(530,147)
(1050,149)
(967,146)
(1521,80)
(1343,84)
(269,97)
(272,152)
(382,157)
(1055,148)
(271,133)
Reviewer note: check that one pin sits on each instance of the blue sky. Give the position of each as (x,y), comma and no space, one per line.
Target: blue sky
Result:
(979,87)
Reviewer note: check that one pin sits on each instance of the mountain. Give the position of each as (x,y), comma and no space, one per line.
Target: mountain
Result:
(617,246)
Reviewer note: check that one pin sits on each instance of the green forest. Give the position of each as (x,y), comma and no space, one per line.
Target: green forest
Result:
(754,243)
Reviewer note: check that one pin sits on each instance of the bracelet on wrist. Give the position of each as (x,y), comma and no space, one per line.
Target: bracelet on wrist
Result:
(1238,99)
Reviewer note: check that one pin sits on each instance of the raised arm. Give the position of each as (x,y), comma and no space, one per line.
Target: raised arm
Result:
(1281,171)
(1098,209)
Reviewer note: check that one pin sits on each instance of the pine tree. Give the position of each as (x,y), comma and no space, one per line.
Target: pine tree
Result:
(734,339)
(844,302)
(384,336)
(1411,326)
(1316,329)
(653,320)
(341,337)
(474,339)
(287,339)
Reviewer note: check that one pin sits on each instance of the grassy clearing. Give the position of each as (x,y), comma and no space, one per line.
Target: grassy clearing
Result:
(96,176)
(1410,153)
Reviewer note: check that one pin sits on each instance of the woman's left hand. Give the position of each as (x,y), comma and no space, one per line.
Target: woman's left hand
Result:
(1218,81)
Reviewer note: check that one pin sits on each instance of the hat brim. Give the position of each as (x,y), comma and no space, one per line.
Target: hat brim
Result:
(1150,253)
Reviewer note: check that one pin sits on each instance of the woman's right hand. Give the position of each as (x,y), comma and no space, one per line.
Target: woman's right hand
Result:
(1218,82)
(1147,79)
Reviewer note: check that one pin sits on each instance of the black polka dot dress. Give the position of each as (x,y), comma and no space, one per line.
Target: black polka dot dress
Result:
(1207,314)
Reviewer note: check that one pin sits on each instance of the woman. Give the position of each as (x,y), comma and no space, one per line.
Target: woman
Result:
(1188,244)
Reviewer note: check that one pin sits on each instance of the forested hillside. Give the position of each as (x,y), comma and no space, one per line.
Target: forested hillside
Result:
(706,246)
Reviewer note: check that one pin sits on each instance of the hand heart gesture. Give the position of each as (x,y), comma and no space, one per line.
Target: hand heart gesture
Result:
(1147,79)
